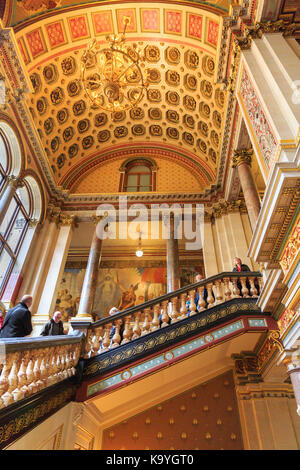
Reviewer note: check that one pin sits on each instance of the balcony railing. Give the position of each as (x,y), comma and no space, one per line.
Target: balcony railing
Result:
(28,365)
(130,324)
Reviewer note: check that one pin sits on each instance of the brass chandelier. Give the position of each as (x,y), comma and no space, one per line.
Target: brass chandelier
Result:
(112,77)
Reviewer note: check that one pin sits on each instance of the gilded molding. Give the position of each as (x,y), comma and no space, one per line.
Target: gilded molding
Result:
(241,156)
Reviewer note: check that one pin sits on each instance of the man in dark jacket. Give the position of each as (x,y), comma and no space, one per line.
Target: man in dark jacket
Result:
(53,327)
(17,322)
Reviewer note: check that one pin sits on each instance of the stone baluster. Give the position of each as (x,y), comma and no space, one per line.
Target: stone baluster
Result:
(95,342)
(4,384)
(63,373)
(13,378)
(106,339)
(36,368)
(227,290)
(127,333)
(164,314)
(136,328)
(30,375)
(116,339)
(146,325)
(155,320)
(51,366)
(210,299)
(174,314)
(44,369)
(183,308)
(193,306)
(235,289)
(261,284)
(245,291)
(219,294)
(253,290)
(22,378)
(88,345)
(201,301)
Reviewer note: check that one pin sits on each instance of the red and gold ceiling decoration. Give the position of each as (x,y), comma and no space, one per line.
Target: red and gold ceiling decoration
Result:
(182,109)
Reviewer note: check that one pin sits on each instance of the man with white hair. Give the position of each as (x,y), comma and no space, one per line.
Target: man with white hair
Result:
(17,322)
(53,327)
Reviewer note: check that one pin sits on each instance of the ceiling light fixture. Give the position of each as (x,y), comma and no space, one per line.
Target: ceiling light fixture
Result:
(112,77)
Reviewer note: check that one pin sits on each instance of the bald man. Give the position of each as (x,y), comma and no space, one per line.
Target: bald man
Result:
(17,322)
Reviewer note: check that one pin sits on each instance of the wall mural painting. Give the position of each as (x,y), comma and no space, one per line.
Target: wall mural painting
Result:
(122,288)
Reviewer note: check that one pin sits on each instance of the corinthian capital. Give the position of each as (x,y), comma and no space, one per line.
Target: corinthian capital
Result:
(15,181)
(241,156)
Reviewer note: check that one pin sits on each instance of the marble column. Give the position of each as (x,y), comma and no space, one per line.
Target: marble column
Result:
(294,373)
(90,279)
(242,161)
(209,252)
(13,183)
(173,278)
(48,297)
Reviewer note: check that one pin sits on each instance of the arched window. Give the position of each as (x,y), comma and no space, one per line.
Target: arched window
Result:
(3,161)
(13,230)
(138,175)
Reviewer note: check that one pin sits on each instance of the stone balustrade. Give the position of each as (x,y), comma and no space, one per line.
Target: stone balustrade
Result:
(29,365)
(123,327)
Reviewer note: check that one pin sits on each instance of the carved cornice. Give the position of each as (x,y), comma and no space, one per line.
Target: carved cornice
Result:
(241,156)
(225,207)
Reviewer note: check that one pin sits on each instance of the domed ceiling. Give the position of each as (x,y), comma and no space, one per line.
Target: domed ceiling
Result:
(181,115)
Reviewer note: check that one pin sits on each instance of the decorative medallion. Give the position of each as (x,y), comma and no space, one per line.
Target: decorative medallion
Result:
(206,88)
(138,129)
(172,115)
(48,125)
(155,130)
(190,82)
(188,138)
(155,113)
(118,117)
(74,88)
(83,125)
(152,53)
(154,95)
(203,128)
(61,160)
(36,82)
(212,154)
(120,131)
(50,73)
(189,103)
(172,55)
(137,113)
(215,138)
(57,95)
(173,98)
(154,75)
(217,120)
(41,105)
(62,115)
(100,119)
(133,75)
(103,136)
(172,132)
(191,59)
(55,143)
(68,134)
(172,78)
(68,65)
(220,97)
(189,121)
(204,109)
(73,150)
(79,107)
(87,142)
(93,81)
(202,145)
(208,65)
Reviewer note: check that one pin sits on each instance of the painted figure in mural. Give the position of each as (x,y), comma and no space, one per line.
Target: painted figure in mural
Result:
(66,304)
(107,293)
(128,297)
(36,5)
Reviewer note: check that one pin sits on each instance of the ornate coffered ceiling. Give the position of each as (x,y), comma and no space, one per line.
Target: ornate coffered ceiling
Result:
(182,114)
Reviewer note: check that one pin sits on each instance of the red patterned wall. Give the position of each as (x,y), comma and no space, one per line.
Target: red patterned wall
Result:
(205,418)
